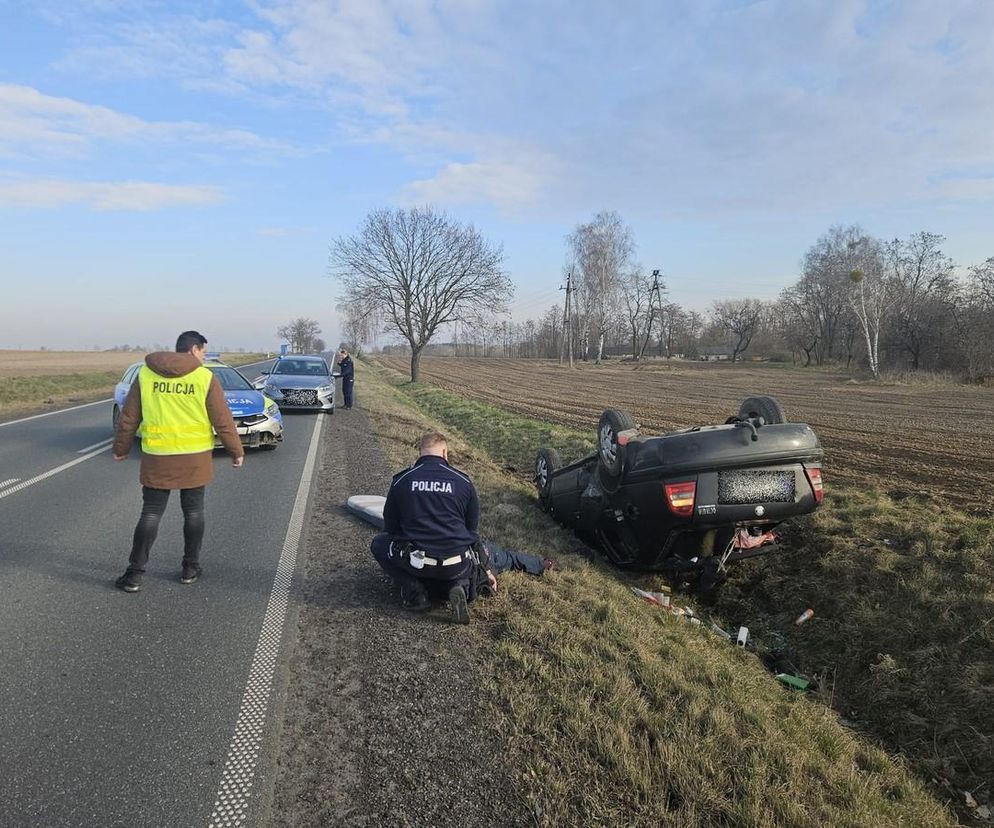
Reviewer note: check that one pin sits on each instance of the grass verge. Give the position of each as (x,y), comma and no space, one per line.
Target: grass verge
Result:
(617,713)
(23,394)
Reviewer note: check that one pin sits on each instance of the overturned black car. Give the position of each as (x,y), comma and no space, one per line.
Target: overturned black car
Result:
(686,503)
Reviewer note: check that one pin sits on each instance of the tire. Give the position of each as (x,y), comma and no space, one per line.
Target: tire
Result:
(611,455)
(269,446)
(115,416)
(766,407)
(546,463)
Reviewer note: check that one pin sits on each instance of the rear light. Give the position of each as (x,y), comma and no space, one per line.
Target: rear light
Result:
(680,497)
(814,478)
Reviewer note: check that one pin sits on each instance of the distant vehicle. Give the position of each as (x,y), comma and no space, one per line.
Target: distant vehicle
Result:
(686,503)
(298,381)
(257,418)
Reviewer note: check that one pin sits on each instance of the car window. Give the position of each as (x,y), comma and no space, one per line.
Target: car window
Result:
(130,374)
(287,366)
(230,379)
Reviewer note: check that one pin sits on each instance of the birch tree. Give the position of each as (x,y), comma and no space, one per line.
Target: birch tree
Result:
(603,250)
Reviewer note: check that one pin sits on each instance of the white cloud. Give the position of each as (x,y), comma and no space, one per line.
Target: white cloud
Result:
(106,196)
(689,106)
(32,122)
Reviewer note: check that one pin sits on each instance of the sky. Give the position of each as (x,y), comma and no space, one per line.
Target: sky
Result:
(168,165)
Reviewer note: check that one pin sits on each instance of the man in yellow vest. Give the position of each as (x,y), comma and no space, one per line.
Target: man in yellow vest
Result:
(179,405)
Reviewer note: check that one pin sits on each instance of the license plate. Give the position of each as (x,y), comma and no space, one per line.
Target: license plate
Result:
(737,487)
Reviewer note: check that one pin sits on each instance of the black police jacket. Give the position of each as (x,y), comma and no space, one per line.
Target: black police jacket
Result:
(433,506)
(346,368)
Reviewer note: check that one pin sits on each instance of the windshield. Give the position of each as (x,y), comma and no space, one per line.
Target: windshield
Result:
(302,367)
(230,379)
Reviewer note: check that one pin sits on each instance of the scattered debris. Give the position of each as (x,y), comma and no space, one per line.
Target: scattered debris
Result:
(659,598)
(970,801)
(804,616)
(743,637)
(794,682)
(983,812)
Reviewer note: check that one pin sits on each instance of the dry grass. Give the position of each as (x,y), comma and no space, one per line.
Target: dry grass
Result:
(617,713)
(34,379)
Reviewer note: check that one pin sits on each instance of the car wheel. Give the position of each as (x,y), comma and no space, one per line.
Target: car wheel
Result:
(766,407)
(115,416)
(610,453)
(547,462)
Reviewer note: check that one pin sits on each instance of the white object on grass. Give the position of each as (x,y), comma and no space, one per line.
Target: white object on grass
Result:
(368,507)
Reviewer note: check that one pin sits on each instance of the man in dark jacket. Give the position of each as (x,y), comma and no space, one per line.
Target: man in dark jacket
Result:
(347,370)
(430,545)
(179,405)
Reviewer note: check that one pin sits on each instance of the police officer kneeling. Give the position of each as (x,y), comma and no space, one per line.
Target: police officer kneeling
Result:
(430,545)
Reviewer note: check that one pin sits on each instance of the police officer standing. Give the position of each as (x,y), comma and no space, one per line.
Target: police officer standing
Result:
(347,370)
(430,545)
(180,405)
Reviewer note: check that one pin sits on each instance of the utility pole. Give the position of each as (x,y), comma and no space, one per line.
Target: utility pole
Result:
(567,321)
(655,305)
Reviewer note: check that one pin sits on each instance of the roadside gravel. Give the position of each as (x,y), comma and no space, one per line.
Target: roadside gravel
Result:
(385,720)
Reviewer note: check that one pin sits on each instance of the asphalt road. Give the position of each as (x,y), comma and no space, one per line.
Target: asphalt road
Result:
(118,709)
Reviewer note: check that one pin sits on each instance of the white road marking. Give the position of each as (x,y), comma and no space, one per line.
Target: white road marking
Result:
(53,413)
(50,473)
(6,483)
(234,791)
(102,444)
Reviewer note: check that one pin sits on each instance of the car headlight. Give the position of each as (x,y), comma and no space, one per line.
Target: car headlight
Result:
(326,389)
(272,409)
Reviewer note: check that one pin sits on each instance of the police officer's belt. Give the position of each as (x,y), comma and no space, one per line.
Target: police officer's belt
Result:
(429,560)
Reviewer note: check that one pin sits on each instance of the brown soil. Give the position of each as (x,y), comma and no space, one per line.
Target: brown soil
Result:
(932,438)
(45,363)
(386,721)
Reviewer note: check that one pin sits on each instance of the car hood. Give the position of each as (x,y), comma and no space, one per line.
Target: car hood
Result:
(298,381)
(244,403)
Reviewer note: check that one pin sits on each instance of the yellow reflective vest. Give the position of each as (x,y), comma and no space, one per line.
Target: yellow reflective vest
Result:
(174,412)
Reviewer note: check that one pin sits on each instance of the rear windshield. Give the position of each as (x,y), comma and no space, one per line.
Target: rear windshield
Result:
(230,379)
(302,367)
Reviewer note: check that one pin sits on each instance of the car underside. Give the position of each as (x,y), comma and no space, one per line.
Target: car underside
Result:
(688,502)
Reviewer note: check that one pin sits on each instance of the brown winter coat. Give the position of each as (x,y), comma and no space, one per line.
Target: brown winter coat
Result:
(177,471)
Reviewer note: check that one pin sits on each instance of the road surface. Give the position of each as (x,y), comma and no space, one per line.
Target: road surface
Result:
(150,709)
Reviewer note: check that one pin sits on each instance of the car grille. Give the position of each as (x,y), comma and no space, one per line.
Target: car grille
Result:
(299,396)
(735,487)
(253,420)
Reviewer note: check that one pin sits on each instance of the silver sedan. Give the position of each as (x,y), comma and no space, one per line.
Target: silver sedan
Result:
(305,383)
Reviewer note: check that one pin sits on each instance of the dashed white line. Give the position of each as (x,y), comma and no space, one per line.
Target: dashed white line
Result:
(7,483)
(102,444)
(234,791)
(50,473)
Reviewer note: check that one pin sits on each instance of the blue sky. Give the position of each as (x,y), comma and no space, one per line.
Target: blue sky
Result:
(166,165)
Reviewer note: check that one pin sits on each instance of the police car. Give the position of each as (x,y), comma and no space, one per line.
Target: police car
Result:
(257,418)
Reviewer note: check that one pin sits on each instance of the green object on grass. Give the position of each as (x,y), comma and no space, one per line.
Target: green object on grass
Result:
(793,681)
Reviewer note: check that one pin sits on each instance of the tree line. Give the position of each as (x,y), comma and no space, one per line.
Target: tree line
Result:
(859,301)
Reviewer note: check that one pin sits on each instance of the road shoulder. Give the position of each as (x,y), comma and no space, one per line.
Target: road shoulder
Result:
(386,719)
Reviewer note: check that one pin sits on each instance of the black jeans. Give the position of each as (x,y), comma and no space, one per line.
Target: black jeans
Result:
(153,505)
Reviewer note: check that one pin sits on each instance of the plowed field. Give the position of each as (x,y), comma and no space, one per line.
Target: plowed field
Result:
(911,438)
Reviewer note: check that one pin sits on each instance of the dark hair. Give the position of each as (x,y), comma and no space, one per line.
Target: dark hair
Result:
(188,340)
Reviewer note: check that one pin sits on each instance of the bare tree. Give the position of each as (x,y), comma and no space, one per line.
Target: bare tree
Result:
(423,270)
(977,322)
(602,249)
(739,318)
(638,302)
(300,334)
(924,291)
